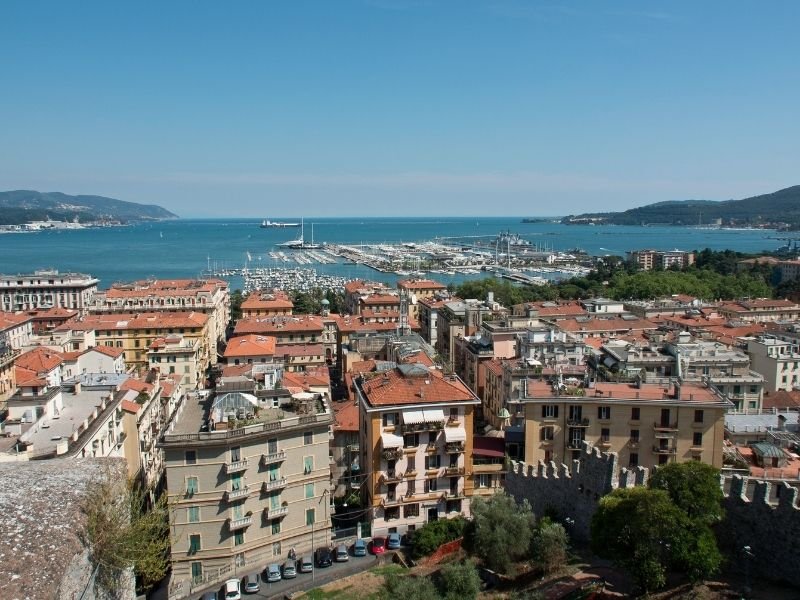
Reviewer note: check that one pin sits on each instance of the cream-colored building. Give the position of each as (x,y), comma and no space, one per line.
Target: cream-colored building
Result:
(416,446)
(417,290)
(645,425)
(248,478)
(46,289)
(177,355)
(267,303)
(777,360)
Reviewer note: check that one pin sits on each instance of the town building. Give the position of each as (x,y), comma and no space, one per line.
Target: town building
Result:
(176,354)
(659,259)
(97,359)
(296,329)
(16,330)
(46,289)
(45,320)
(357,290)
(761,310)
(416,446)
(248,480)
(461,318)
(645,424)
(299,357)
(777,360)
(267,303)
(249,349)
(583,328)
(417,289)
(428,314)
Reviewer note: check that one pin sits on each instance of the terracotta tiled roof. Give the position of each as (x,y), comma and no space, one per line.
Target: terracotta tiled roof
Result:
(236,370)
(165,287)
(433,302)
(28,378)
(565,309)
(132,407)
(144,320)
(279,325)
(381,299)
(345,415)
(250,345)
(363,366)
(56,312)
(9,320)
(137,385)
(417,357)
(420,284)
(356,323)
(39,360)
(604,324)
(781,399)
(266,300)
(314,377)
(107,350)
(430,387)
(495,366)
(538,388)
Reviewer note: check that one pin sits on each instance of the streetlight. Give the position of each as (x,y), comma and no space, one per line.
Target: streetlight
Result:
(313,566)
(748,554)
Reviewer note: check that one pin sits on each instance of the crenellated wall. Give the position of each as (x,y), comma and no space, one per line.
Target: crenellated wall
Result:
(761,515)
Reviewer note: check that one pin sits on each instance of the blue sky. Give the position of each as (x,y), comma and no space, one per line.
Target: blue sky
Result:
(400,107)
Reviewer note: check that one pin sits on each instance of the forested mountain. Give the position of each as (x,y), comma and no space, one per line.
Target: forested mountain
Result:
(22,206)
(778,207)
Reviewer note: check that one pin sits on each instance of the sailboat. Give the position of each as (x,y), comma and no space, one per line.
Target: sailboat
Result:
(294,243)
(300,243)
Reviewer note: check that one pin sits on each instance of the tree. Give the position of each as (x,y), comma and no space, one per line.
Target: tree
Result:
(694,488)
(460,581)
(121,533)
(638,529)
(500,530)
(236,305)
(435,533)
(409,588)
(550,544)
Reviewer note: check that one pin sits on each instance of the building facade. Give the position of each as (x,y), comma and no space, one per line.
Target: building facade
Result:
(47,289)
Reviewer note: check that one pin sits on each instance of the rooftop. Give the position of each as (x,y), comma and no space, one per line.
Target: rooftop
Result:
(540,389)
(278,324)
(250,345)
(412,384)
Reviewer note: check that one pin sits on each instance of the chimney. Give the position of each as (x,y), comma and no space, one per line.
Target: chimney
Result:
(781,423)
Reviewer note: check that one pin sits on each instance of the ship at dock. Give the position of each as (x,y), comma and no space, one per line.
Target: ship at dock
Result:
(300,243)
(267,224)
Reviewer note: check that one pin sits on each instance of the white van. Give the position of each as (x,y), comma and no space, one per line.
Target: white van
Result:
(233,590)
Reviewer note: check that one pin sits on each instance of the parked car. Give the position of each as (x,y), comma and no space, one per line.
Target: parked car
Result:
(209,596)
(306,564)
(273,573)
(360,548)
(289,569)
(393,541)
(233,590)
(341,554)
(378,545)
(251,584)
(323,558)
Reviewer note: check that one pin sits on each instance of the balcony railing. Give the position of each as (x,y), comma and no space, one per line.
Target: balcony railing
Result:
(410,473)
(604,442)
(391,453)
(578,422)
(275,484)
(664,450)
(276,513)
(665,426)
(454,422)
(240,494)
(454,447)
(453,471)
(415,427)
(236,466)
(390,500)
(241,523)
(392,475)
(575,444)
(273,457)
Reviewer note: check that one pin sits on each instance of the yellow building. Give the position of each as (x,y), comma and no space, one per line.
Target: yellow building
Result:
(417,290)
(646,425)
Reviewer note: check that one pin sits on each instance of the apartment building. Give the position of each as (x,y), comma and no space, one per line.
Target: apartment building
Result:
(646,425)
(249,349)
(762,310)
(549,310)
(16,330)
(777,360)
(47,289)
(267,303)
(428,315)
(461,318)
(248,477)
(177,355)
(416,446)
(658,259)
(418,289)
(355,291)
(296,329)
(210,297)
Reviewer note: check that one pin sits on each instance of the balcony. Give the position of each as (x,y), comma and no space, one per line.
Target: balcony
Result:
(240,494)
(241,523)
(575,444)
(273,457)
(603,443)
(392,476)
(276,513)
(410,473)
(453,495)
(454,471)
(416,427)
(665,426)
(664,450)
(391,499)
(577,422)
(391,453)
(454,447)
(453,422)
(488,467)
(633,444)
(275,484)
(236,466)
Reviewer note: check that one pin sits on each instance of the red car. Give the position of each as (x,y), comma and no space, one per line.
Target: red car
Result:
(378,545)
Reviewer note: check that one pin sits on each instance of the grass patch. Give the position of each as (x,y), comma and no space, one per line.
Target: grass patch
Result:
(385,570)
(320,594)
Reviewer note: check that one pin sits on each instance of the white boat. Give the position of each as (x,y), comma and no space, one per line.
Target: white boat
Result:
(300,243)
(266,224)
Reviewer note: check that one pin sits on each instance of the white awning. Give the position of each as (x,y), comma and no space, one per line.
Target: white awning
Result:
(413,417)
(434,415)
(390,440)
(455,434)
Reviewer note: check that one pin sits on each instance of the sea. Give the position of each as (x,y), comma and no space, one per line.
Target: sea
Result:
(186,248)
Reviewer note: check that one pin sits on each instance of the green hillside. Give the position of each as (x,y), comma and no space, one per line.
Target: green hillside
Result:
(22,206)
(781,207)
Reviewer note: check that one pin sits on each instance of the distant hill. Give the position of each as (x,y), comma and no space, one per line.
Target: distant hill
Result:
(22,206)
(781,207)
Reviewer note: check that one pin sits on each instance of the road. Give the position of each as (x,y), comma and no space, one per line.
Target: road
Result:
(305,581)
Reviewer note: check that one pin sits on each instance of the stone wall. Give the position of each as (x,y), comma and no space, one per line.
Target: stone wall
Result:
(761,515)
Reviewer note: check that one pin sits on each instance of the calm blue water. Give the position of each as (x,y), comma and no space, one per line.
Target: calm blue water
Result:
(184,248)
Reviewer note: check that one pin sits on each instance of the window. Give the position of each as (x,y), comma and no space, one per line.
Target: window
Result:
(308,438)
(484,480)
(309,490)
(272,446)
(276,549)
(308,464)
(431,485)
(193,514)
(310,516)
(274,473)
(274,500)
(191,486)
(433,462)
(635,413)
(191,457)
(411,440)
(197,570)
(605,434)
(634,435)
(276,526)
(389,419)
(575,412)
(236,482)
(238,538)
(454,413)
(603,412)
(698,416)
(546,434)
(697,438)
(194,543)
(633,461)
(412,510)
(549,411)
(236,454)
